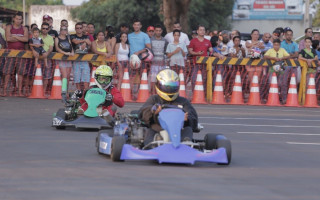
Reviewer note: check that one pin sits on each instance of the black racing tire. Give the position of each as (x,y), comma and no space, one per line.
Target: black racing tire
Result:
(210,141)
(116,147)
(98,142)
(225,143)
(62,114)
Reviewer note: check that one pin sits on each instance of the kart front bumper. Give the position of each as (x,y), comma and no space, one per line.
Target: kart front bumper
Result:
(167,153)
(82,122)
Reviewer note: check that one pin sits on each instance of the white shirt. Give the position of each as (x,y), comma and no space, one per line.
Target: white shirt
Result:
(183,38)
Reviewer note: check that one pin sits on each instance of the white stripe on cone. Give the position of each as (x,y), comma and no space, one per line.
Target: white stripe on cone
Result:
(126,76)
(57,72)
(292,91)
(125,85)
(57,83)
(93,72)
(218,79)
(144,77)
(255,79)
(218,88)
(311,81)
(274,90)
(254,89)
(198,87)
(274,80)
(199,78)
(38,72)
(237,88)
(293,81)
(182,87)
(144,87)
(311,91)
(238,79)
(181,77)
(37,82)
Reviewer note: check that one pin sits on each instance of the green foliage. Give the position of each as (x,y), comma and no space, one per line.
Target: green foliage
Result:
(17,4)
(115,12)
(211,13)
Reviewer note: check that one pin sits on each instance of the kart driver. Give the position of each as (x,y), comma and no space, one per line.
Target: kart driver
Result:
(103,79)
(167,88)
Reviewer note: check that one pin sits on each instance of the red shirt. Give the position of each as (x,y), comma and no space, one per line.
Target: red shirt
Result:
(90,37)
(197,46)
(17,32)
(117,99)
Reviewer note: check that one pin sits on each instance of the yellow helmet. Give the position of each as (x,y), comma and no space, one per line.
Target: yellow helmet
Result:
(167,84)
(103,76)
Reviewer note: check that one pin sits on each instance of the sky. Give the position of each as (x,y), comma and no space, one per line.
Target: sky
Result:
(73,2)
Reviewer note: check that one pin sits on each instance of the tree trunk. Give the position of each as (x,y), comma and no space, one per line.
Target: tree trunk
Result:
(176,10)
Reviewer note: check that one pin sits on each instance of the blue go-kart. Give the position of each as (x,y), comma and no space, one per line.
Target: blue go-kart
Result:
(126,141)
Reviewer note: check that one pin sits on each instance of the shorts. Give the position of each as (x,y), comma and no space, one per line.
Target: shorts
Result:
(39,50)
(64,63)
(154,70)
(14,65)
(81,71)
(47,72)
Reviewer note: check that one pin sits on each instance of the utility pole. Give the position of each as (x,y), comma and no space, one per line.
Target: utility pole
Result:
(306,14)
(24,11)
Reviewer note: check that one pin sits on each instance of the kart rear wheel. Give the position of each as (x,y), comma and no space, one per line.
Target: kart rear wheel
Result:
(116,148)
(62,114)
(225,143)
(98,143)
(210,141)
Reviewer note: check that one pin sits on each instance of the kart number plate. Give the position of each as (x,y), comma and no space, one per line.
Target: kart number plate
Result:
(56,122)
(103,145)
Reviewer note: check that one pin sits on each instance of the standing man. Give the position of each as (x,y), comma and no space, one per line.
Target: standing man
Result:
(150,31)
(183,37)
(48,47)
(292,48)
(124,28)
(159,46)
(308,33)
(91,30)
(266,42)
(85,31)
(199,47)
(48,19)
(81,44)
(138,41)
(64,23)
(16,36)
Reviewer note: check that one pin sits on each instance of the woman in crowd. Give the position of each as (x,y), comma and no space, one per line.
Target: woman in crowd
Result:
(63,45)
(101,47)
(122,52)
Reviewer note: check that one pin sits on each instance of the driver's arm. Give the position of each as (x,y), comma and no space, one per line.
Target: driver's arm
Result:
(117,97)
(192,116)
(145,113)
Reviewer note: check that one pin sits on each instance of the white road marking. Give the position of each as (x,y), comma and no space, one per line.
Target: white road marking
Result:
(268,133)
(255,109)
(260,125)
(303,143)
(257,118)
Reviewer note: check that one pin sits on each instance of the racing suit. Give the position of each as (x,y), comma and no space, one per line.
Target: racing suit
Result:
(116,98)
(151,120)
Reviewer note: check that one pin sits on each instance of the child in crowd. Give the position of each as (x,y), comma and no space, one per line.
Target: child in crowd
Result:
(36,45)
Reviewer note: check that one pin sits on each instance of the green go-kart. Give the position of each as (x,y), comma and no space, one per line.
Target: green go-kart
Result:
(92,118)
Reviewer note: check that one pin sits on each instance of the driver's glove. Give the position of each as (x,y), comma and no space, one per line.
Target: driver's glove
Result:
(78,93)
(109,97)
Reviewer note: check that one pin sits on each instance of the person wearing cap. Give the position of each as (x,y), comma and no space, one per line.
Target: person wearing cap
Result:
(183,37)
(308,34)
(124,28)
(150,31)
(48,19)
(292,48)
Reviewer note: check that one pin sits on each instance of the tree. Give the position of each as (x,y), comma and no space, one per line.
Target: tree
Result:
(17,4)
(213,14)
(115,12)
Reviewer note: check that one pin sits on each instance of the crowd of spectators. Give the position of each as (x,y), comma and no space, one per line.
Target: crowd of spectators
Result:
(172,49)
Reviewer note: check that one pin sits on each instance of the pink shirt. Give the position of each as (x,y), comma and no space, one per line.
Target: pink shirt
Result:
(17,32)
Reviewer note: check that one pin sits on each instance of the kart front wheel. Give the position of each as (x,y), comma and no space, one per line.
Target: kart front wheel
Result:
(116,148)
(225,143)
(62,114)
(210,140)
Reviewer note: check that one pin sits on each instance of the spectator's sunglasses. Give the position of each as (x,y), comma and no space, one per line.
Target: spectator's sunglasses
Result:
(78,27)
(44,28)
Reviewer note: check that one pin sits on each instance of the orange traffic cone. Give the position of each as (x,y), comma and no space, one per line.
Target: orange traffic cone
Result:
(254,98)
(125,86)
(311,97)
(92,79)
(236,97)
(182,89)
(198,92)
(292,99)
(218,97)
(56,85)
(273,97)
(143,94)
(37,88)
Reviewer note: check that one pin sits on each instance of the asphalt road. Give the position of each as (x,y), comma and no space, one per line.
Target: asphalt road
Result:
(276,156)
